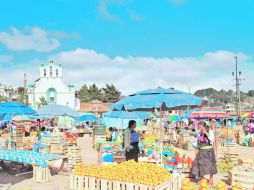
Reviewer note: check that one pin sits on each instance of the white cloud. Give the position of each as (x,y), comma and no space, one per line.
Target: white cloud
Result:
(37,39)
(131,74)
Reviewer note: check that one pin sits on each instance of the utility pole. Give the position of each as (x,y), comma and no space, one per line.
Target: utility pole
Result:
(25,90)
(237,79)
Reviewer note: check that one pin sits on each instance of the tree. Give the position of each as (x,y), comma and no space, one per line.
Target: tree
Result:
(111,94)
(3,98)
(42,102)
(95,93)
(83,94)
(250,93)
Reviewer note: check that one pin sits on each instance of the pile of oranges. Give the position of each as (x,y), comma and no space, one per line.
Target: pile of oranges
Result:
(129,171)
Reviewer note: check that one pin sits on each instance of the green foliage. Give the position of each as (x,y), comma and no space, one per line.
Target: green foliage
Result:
(83,94)
(21,95)
(42,102)
(93,92)
(251,93)
(221,97)
(3,98)
(111,94)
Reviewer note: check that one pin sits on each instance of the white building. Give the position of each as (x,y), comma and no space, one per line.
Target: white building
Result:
(50,85)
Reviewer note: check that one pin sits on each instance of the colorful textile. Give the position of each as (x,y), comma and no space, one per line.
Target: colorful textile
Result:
(204,163)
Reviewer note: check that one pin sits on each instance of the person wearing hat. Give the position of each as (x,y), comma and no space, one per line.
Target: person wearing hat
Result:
(205,162)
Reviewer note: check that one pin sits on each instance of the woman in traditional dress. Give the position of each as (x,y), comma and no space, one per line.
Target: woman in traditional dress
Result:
(205,162)
(131,141)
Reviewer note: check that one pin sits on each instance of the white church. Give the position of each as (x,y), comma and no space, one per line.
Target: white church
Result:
(50,85)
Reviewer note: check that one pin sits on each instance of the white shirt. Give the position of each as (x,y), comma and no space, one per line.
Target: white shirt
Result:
(211,136)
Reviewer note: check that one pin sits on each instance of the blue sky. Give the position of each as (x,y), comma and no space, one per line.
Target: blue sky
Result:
(154,30)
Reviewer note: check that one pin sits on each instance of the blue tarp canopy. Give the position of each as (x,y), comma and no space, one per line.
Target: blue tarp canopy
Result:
(157,98)
(6,117)
(57,110)
(88,117)
(128,115)
(16,108)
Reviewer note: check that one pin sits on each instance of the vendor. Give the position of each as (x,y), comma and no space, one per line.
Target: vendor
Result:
(131,141)
(204,163)
(42,130)
(251,127)
(109,134)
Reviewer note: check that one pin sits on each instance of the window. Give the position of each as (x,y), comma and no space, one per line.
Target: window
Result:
(44,72)
(56,72)
(50,71)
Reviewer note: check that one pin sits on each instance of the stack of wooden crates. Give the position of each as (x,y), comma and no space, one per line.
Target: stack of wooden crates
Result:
(243,175)
(57,145)
(74,156)
(18,137)
(45,142)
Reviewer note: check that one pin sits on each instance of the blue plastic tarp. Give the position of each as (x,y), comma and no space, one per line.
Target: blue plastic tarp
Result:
(16,108)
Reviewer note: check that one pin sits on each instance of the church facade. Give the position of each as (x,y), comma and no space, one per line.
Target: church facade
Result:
(50,87)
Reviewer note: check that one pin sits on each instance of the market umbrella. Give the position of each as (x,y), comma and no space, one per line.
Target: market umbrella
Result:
(248,115)
(88,117)
(17,108)
(6,117)
(159,98)
(128,115)
(66,121)
(57,110)
(209,112)
(119,118)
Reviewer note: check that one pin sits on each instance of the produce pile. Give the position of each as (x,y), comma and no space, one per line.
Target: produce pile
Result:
(171,158)
(202,185)
(70,137)
(129,171)
(224,165)
(150,138)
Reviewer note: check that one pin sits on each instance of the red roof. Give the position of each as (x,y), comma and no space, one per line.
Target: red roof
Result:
(94,106)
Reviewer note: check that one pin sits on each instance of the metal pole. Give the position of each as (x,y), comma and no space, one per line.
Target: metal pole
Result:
(237,89)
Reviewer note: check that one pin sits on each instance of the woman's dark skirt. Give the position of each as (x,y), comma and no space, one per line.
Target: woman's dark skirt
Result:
(133,153)
(204,163)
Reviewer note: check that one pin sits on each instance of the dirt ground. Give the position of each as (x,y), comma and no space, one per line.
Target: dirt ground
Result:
(89,155)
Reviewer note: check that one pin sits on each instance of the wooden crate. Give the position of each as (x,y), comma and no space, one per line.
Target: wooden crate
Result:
(92,183)
(74,156)
(246,162)
(41,174)
(246,178)
(186,172)
(5,186)
(45,141)
(56,138)
(58,149)
(44,150)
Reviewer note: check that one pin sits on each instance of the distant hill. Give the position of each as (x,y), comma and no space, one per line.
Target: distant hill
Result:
(222,97)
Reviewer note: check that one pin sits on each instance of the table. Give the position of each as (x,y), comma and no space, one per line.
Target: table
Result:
(39,161)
